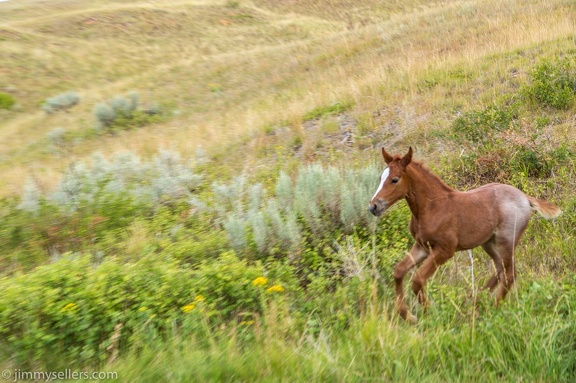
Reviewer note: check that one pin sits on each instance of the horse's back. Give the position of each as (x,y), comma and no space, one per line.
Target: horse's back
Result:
(498,209)
(505,199)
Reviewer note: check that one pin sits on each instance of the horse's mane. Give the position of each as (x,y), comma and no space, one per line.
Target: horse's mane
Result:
(425,170)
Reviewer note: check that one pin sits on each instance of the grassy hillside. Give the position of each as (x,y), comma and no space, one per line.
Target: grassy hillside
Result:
(184,186)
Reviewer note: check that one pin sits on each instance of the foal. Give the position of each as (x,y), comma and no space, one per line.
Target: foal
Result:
(445,220)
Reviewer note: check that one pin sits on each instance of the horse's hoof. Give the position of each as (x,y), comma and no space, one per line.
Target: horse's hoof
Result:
(412,319)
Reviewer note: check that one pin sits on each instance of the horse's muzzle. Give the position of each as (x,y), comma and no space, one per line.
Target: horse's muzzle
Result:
(376,210)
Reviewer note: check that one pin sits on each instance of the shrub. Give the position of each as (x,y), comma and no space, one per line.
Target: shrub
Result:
(125,106)
(165,177)
(62,101)
(56,136)
(86,313)
(480,126)
(501,160)
(531,162)
(94,201)
(227,283)
(320,203)
(74,308)
(6,101)
(105,115)
(553,83)
(122,112)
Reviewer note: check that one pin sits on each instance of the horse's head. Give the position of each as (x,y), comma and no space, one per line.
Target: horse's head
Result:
(393,183)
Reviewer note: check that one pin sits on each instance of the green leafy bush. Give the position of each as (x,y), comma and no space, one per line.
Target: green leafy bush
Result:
(74,308)
(480,126)
(500,161)
(228,283)
(553,83)
(62,101)
(86,312)
(6,101)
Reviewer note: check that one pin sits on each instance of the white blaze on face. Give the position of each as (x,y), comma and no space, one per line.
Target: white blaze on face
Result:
(382,180)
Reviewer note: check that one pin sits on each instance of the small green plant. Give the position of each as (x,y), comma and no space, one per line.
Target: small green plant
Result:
(330,127)
(531,162)
(122,113)
(6,101)
(59,102)
(365,124)
(479,126)
(327,110)
(229,283)
(553,83)
(104,114)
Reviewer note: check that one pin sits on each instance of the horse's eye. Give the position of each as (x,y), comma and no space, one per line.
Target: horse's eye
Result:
(395,180)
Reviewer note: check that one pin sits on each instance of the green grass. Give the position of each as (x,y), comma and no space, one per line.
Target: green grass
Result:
(521,341)
(328,110)
(6,101)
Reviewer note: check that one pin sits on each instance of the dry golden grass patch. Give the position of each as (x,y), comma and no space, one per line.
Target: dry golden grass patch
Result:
(228,69)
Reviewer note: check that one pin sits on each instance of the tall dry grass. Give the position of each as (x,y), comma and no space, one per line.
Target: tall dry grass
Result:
(227,69)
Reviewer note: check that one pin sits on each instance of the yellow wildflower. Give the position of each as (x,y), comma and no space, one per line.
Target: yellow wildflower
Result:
(69,307)
(260,281)
(189,307)
(142,309)
(199,298)
(246,323)
(275,289)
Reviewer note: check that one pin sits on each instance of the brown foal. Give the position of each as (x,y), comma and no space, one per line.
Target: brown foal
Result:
(445,220)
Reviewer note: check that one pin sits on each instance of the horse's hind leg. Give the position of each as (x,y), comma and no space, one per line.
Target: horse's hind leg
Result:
(507,236)
(416,255)
(505,241)
(508,274)
(502,253)
(492,250)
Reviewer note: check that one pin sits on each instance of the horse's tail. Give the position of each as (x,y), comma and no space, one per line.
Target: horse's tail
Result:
(545,208)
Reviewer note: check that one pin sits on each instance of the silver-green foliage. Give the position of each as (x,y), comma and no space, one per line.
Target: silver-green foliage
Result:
(229,198)
(164,177)
(284,226)
(106,113)
(355,193)
(30,200)
(56,136)
(321,200)
(236,230)
(260,229)
(125,106)
(61,101)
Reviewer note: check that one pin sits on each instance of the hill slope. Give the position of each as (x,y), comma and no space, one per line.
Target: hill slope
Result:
(224,69)
(195,208)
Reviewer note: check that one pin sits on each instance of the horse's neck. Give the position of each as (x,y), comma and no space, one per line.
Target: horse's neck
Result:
(424,187)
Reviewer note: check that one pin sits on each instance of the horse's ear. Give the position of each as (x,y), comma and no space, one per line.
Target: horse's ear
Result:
(387,157)
(407,158)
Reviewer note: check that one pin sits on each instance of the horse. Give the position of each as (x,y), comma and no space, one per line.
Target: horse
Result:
(445,220)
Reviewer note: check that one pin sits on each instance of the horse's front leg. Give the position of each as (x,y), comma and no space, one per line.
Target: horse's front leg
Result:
(438,256)
(416,255)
